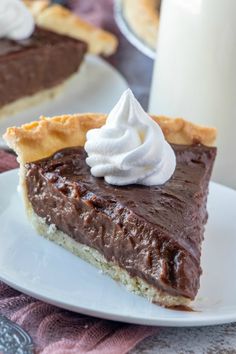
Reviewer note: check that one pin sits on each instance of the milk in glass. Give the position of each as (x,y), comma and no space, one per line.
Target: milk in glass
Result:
(195,72)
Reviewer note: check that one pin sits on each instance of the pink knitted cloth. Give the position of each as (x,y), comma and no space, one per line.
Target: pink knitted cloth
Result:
(7,161)
(57,331)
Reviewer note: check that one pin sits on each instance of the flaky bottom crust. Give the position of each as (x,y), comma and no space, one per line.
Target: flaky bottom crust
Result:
(92,256)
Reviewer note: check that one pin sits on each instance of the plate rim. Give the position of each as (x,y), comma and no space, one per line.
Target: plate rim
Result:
(188,321)
(162,321)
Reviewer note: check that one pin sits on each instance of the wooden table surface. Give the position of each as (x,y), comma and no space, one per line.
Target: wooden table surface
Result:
(201,340)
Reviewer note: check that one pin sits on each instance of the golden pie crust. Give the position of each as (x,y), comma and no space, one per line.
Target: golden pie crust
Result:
(42,138)
(61,20)
(36,7)
(143,18)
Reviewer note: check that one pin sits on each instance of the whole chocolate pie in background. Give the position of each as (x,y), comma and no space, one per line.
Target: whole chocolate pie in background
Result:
(148,237)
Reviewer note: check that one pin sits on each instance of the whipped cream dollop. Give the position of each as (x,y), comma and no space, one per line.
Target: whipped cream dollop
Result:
(130,148)
(16,21)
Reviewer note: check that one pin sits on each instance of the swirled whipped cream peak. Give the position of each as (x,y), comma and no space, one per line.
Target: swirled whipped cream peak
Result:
(130,148)
(16,21)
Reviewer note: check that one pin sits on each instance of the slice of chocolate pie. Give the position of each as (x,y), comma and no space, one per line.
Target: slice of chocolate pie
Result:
(35,68)
(36,61)
(148,236)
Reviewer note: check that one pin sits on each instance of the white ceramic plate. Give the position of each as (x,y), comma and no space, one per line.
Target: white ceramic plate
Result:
(42,269)
(96,88)
(129,34)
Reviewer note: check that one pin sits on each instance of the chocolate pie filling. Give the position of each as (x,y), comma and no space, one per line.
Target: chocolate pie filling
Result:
(154,233)
(40,62)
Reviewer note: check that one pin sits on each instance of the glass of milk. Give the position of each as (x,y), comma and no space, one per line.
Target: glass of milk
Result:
(195,72)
